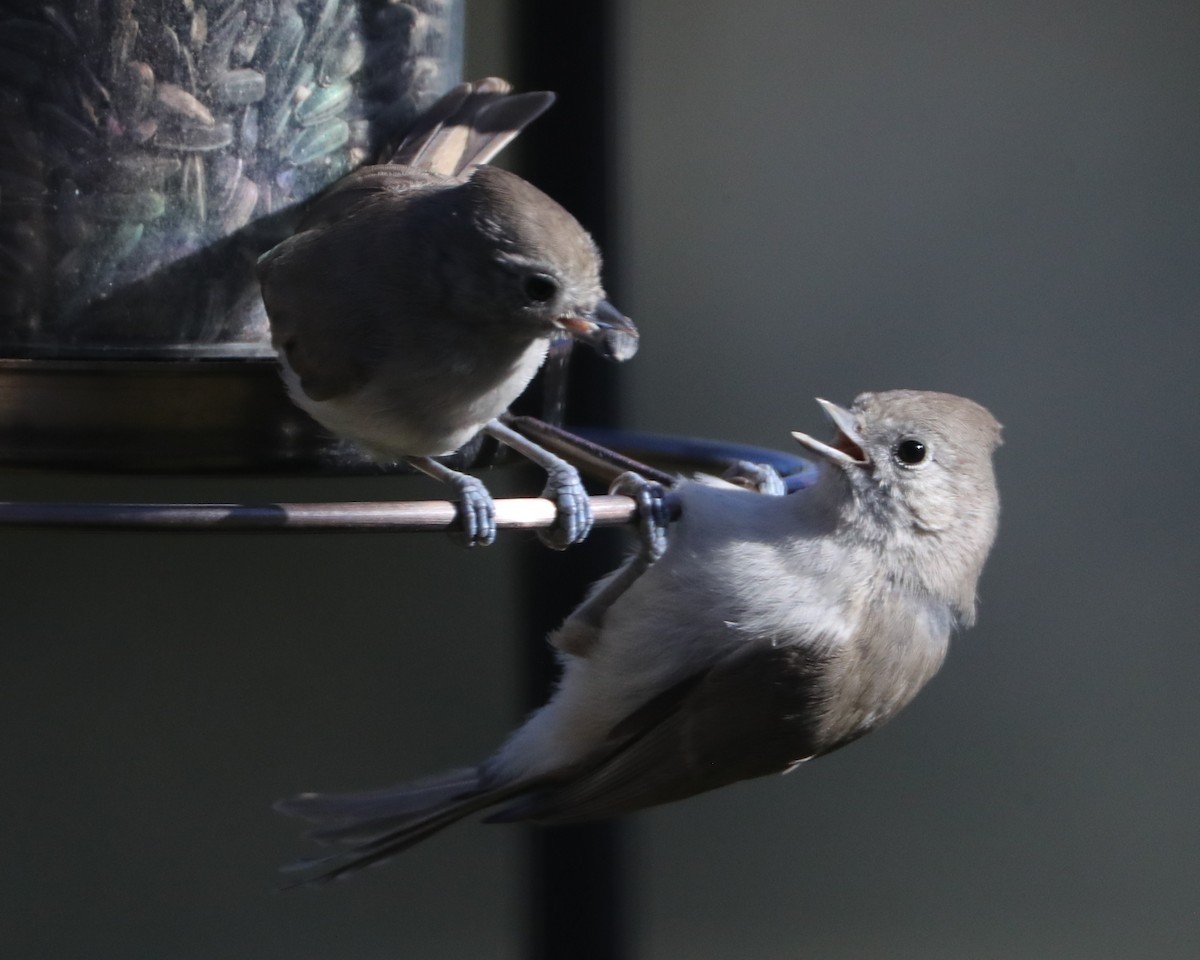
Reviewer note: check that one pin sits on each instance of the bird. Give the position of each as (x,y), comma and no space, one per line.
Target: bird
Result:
(418,297)
(765,632)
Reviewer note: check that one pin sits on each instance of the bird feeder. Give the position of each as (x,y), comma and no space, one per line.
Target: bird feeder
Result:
(150,151)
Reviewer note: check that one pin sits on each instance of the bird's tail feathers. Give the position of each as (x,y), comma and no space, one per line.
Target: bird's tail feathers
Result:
(374,826)
(468,126)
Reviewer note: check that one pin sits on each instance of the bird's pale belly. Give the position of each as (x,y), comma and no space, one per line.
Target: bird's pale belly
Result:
(395,417)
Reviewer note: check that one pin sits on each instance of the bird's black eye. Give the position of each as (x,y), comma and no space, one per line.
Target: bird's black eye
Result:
(910,452)
(540,288)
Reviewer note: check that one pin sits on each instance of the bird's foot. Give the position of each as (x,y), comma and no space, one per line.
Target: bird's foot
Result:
(759,477)
(653,515)
(574,520)
(476,512)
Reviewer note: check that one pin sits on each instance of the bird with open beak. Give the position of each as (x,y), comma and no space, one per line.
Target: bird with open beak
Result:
(770,631)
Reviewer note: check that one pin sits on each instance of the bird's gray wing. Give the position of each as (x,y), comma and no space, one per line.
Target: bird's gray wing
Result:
(323,321)
(752,713)
(366,185)
(316,352)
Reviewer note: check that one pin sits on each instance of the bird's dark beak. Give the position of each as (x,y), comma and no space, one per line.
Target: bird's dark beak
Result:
(606,330)
(847,447)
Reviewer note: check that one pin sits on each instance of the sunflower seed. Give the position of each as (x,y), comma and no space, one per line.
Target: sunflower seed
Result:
(124,240)
(124,36)
(248,132)
(193,138)
(259,18)
(135,90)
(241,206)
(312,143)
(139,168)
(181,105)
(214,59)
(278,120)
(283,43)
(323,103)
(143,130)
(198,31)
(239,87)
(194,189)
(224,172)
(125,207)
(321,28)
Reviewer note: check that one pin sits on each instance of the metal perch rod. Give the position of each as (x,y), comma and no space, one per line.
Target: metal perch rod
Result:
(411,515)
(420,516)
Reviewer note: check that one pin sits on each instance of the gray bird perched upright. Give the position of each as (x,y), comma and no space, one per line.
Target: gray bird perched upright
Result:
(771,630)
(418,298)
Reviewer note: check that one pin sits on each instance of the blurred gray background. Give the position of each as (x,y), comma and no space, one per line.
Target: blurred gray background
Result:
(816,198)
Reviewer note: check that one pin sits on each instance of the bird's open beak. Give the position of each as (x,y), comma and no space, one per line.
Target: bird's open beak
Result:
(606,330)
(847,447)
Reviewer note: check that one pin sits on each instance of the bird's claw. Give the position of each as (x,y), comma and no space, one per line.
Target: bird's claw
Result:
(653,513)
(759,477)
(574,520)
(476,512)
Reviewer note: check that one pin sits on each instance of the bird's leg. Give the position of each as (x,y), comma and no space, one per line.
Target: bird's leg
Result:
(476,509)
(563,486)
(654,514)
(759,477)
(599,461)
(580,630)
